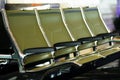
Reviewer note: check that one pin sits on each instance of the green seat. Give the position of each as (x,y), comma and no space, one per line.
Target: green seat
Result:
(55,31)
(98,27)
(29,44)
(95,23)
(77,27)
(75,23)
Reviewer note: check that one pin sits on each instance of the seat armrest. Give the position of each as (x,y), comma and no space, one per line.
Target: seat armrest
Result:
(31,51)
(89,39)
(106,35)
(66,44)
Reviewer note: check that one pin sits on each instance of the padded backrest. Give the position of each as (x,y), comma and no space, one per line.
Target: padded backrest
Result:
(94,21)
(53,26)
(75,23)
(25,30)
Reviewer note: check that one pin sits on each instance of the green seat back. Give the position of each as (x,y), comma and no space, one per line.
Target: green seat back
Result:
(25,29)
(76,24)
(94,21)
(53,26)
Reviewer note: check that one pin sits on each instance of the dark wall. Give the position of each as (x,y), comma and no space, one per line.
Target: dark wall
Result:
(4,39)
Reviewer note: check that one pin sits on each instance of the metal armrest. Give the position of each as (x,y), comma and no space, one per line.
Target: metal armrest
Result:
(107,35)
(89,39)
(66,44)
(31,51)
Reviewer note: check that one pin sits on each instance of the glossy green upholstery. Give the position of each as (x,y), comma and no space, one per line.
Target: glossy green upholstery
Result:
(97,26)
(25,29)
(75,23)
(54,28)
(77,26)
(26,33)
(95,23)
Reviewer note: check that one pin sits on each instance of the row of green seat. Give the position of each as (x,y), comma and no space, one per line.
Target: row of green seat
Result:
(55,37)
(89,24)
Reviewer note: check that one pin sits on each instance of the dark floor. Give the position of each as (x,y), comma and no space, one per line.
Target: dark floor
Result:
(99,74)
(110,71)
